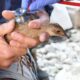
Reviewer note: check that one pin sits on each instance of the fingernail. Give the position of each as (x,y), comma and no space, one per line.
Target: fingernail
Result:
(44,37)
(13,34)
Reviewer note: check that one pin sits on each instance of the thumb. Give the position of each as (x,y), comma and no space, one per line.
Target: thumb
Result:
(8,14)
(6,27)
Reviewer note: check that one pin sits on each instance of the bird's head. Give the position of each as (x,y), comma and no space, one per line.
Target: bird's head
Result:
(56,30)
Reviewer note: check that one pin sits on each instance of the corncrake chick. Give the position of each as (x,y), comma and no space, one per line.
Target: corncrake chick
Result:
(53,29)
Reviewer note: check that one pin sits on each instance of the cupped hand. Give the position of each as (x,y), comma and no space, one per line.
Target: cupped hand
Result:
(17,47)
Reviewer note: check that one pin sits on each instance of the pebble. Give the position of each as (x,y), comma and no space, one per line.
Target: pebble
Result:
(58,58)
(71,73)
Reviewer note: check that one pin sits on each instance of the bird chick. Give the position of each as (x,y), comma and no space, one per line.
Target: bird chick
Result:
(52,29)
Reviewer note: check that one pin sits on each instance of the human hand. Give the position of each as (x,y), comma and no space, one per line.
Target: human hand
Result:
(17,47)
(7,53)
(37,23)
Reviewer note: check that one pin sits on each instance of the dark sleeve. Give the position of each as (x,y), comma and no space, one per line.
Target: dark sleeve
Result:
(15,4)
(48,9)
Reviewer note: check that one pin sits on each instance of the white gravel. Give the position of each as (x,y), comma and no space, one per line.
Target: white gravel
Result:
(55,57)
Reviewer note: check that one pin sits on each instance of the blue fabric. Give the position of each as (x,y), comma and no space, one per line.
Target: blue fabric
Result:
(8,5)
(24,4)
(14,4)
(38,4)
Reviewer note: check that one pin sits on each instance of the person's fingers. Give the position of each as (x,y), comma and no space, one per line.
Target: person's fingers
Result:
(26,41)
(6,27)
(8,14)
(9,54)
(43,37)
(34,24)
(18,44)
(5,50)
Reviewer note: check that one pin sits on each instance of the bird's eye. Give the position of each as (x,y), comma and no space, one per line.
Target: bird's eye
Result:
(58,31)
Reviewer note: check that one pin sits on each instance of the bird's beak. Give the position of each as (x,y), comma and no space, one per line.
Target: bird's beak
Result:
(66,35)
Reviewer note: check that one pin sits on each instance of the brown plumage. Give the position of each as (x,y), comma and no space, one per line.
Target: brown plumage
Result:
(51,29)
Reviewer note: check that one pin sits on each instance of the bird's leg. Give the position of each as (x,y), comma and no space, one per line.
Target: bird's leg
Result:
(21,65)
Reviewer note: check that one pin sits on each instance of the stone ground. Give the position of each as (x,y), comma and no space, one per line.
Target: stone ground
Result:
(54,57)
